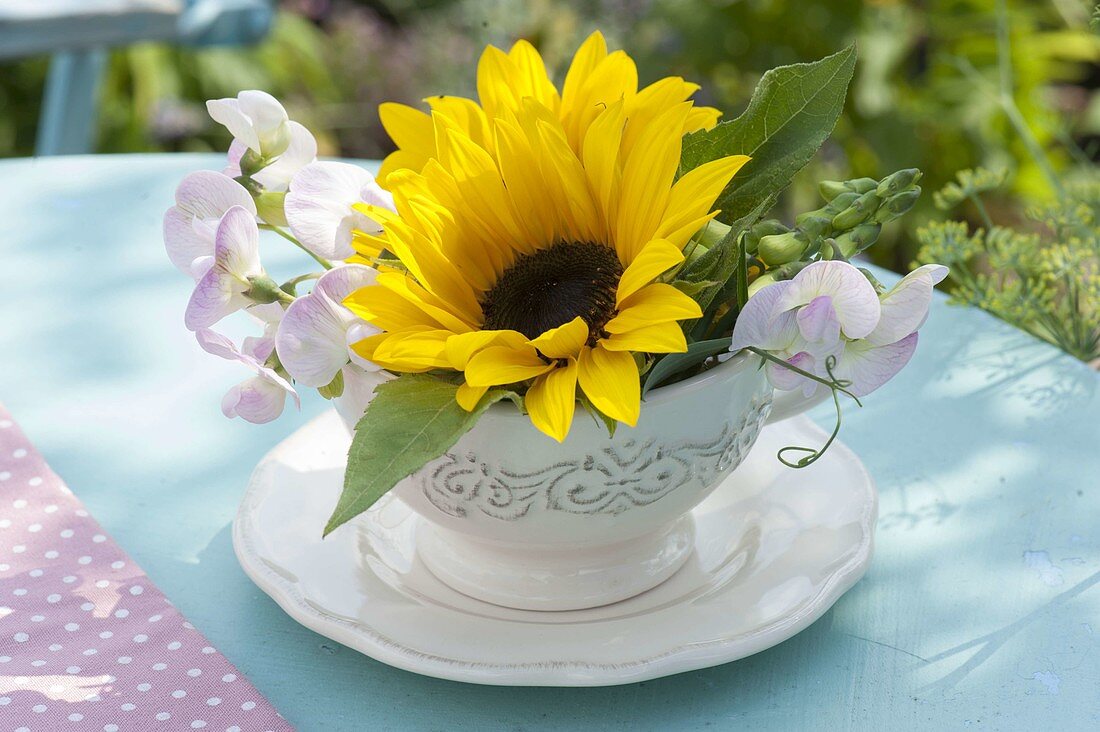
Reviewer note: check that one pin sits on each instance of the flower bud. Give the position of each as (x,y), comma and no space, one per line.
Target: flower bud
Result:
(830,189)
(855,241)
(898,182)
(897,205)
(779,249)
(814,223)
(764,228)
(860,210)
(761,282)
(841,202)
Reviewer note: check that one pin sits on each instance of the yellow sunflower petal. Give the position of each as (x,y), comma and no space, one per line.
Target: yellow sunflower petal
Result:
(565,341)
(693,195)
(408,127)
(494,80)
(468,396)
(467,114)
(701,118)
(504,365)
(657,257)
(659,338)
(399,160)
(647,178)
(412,351)
(656,303)
(530,77)
(610,381)
(552,400)
(462,347)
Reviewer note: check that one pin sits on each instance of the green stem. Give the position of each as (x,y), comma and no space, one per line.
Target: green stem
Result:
(834,385)
(977,200)
(320,260)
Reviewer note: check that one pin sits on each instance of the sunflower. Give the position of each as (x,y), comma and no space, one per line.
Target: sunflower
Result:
(531,231)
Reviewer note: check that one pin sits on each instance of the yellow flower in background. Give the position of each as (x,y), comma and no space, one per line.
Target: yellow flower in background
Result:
(533,228)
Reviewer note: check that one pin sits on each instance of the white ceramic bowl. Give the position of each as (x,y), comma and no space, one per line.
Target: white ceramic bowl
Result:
(516,519)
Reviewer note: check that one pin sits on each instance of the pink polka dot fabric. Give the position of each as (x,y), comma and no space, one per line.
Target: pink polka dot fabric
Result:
(86,641)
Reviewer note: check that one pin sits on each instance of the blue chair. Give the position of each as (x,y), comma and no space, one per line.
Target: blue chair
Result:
(78,33)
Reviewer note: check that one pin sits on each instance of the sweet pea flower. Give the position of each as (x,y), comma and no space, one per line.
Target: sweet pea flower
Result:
(259,399)
(314,337)
(222,290)
(256,119)
(202,198)
(831,311)
(319,206)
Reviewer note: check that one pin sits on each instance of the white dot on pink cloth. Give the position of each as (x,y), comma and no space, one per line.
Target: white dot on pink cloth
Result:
(35,481)
(144,687)
(122,613)
(163,717)
(248,705)
(84,560)
(19,453)
(54,598)
(179,693)
(174,645)
(194,673)
(137,590)
(72,627)
(19,502)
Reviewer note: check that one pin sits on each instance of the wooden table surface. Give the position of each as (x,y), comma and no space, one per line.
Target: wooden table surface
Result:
(980,609)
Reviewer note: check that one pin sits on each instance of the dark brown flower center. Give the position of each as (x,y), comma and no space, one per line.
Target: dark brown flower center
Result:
(553,286)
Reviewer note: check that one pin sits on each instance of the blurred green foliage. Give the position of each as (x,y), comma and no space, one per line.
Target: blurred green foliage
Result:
(924,95)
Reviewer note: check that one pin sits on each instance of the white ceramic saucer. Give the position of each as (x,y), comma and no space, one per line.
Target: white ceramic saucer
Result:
(775,548)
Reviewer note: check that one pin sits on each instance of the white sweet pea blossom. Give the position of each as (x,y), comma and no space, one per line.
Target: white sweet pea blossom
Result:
(300,152)
(255,118)
(202,198)
(830,311)
(314,337)
(319,206)
(222,289)
(259,399)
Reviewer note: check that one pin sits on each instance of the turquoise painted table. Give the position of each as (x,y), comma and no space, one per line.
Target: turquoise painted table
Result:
(981,608)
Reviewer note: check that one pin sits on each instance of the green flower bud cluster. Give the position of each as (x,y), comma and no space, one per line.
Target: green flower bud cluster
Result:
(848,223)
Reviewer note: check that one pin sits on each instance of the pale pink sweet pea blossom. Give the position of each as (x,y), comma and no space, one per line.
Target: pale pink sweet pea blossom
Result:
(202,198)
(255,118)
(259,399)
(222,290)
(319,206)
(316,332)
(831,311)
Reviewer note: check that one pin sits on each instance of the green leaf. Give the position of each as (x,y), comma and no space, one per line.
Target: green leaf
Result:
(791,113)
(691,289)
(675,363)
(411,421)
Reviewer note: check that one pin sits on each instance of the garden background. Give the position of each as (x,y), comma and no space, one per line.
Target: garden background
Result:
(941,85)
